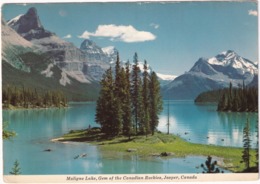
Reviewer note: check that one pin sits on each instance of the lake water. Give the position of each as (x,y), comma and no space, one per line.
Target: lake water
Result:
(35,129)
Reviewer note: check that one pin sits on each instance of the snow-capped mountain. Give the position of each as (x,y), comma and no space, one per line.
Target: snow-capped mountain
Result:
(165,79)
(213,73)
(111,53)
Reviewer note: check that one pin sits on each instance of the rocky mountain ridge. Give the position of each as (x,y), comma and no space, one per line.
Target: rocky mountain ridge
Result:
(213,73)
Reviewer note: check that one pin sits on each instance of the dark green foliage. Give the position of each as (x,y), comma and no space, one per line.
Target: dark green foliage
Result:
(239,100)
(145,118)
(243,99)
(16,169)
(210,167)
(7,134)
(124,97)
(246,152)
(136,91)
(127,115)
(155,102)
(257,147)
(28,98)
(104,109)
(118,95)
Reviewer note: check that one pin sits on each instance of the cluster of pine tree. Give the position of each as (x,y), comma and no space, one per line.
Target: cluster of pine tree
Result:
(129,102)
(28,98)
(244,99)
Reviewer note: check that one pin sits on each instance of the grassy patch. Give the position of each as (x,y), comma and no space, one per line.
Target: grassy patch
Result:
(158,143)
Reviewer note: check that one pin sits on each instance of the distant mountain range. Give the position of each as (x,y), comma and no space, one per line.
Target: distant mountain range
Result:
(214,73)
(38,58)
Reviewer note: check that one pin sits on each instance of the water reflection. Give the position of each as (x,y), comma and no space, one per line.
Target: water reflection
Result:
(203,124)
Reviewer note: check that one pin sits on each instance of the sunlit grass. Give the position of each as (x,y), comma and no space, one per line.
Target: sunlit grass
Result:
(146,146)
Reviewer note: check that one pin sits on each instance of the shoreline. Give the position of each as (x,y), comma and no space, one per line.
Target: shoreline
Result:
(156,146)
(33,108)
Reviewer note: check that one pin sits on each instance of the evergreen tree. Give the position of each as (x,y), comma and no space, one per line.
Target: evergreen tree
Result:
(146,100)
(16,169)
(210,167)
(257,146)
(140,105)
(104,108)
(235,102)
(246,152)
(127,115)
(135,91)
(118,94)
(230,100)
(155,101)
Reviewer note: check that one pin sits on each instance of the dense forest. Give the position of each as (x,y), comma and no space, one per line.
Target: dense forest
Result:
(129,102)
(29,98)
(243,99)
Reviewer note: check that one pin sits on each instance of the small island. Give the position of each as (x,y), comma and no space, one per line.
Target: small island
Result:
(158,145)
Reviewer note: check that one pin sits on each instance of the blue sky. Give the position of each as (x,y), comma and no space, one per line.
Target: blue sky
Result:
(170,36)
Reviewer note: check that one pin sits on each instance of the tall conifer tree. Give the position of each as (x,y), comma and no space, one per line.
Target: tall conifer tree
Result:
(127,115)
(135,91)
(146,100)
(155,101)
(104,108)
(246,152)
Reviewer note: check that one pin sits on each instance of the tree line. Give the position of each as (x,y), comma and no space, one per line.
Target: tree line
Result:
(243,99)
(130,101)
(28,98)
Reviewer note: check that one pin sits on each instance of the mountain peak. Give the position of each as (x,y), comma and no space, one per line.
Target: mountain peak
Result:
(226,55)
(87,44)
(29,25)
(32,12)
(25,23)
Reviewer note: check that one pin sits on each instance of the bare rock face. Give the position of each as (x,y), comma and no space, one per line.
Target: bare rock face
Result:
(29,26)
(85,64)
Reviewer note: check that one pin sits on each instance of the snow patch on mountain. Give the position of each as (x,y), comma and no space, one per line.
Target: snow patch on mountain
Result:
(48,72)
(109,50)
(13,21)
(78,75)
(165,76)
(64,78)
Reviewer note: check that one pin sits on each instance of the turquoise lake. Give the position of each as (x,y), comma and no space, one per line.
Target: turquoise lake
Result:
(35,128)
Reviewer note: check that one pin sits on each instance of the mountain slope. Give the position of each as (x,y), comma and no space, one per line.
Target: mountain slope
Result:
(41,81)
(214,73)
(12,45)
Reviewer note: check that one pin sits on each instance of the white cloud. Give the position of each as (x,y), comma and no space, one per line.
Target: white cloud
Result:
(252,12)
(120,33)
(67,36)
(155,26)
